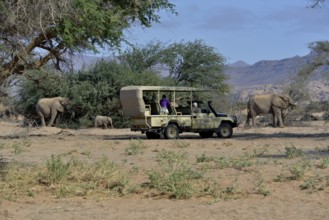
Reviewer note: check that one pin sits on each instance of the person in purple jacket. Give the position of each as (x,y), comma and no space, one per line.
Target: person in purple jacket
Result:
(165,105)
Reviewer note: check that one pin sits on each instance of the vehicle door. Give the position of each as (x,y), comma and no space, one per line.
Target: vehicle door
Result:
(204,121)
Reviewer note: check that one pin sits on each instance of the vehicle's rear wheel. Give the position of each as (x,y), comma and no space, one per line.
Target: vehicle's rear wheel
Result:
(206,134)
(225,130)
(152,135)
(171,132)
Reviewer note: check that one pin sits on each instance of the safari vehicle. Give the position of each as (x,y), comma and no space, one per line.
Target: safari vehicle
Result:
(142,105)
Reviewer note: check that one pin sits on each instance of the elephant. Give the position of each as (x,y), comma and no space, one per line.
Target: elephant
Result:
(51,107)
(104,121)
(274,104)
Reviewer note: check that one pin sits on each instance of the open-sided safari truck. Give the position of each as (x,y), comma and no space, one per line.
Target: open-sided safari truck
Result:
(142,105)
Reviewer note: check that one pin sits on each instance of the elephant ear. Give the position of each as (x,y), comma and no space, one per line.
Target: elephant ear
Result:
(285,98)
(280,101)
(60,108)
(64,101)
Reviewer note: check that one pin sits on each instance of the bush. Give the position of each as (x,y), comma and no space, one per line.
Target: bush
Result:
(174,175)
(316,106)
(94,91)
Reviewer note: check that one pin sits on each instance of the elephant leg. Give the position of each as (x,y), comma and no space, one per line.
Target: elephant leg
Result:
(57,119)
(253,119)
(247,121)
(53,117)
(274,120)
(278,117)
(105,125)
(284,113)
(43,123)
(109,122)
(251,114)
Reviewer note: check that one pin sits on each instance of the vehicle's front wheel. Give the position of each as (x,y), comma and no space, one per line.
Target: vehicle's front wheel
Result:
(171,132)
(225,130)
(206,134)
(152,135)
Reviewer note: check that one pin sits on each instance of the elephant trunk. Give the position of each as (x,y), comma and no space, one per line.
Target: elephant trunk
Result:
(293,105)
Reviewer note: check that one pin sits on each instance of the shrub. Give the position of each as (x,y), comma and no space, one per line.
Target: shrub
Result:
(298,170)
(135,147)
(174,175)
(293,152)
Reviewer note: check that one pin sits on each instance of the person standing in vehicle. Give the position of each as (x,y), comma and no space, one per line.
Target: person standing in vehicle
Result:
(165,105)
(195,108)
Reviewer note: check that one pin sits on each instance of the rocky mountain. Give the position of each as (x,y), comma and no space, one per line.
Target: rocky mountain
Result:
(263,77)
(270,76)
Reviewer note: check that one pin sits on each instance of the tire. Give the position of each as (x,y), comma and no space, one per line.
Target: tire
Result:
(152,135)
(206,134)
(225,130)
(171,132)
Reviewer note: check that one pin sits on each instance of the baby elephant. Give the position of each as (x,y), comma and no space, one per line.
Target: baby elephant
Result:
(103,121)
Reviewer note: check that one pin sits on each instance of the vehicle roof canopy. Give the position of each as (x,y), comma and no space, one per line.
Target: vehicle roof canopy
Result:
(131,97)
(163,88)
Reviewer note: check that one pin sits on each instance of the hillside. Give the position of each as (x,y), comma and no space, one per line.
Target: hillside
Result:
(263,77)
(269,76)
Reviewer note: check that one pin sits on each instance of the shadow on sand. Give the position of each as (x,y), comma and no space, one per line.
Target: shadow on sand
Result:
(249,136)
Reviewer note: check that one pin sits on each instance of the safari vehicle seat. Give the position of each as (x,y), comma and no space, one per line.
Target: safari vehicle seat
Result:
(155,108)
(184,110)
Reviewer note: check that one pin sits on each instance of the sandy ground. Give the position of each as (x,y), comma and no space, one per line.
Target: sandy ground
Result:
(285,199)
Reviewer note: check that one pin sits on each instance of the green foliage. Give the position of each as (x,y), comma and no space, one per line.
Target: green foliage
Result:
(238,162)
(324,163)
(204,158)
(187,64)
(135,147)
(196,64)
(321,60)
(30,91)
(260,187)
(298,88)
(298,170)
(94,91)
(317,106)
(17,148)
(77,177)
(174,175)
(141,58)
(58,27)
(293,152)
(314,184)
(57,170)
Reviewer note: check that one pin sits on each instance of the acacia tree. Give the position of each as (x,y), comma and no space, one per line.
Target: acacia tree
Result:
(196,64)
(33,32)
(185,63)
(320,60)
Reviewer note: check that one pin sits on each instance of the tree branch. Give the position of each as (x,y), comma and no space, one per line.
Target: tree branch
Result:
(14,66)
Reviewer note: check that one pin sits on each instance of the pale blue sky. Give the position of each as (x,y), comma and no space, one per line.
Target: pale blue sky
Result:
(248,30)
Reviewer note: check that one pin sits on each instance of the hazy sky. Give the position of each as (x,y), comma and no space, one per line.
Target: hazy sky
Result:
(248,30)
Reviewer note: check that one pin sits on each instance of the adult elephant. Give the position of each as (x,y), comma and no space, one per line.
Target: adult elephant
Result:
(51,107)
(274,104)
(103,121)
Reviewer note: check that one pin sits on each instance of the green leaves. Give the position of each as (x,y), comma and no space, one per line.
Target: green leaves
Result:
(187,64)
(49,29)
